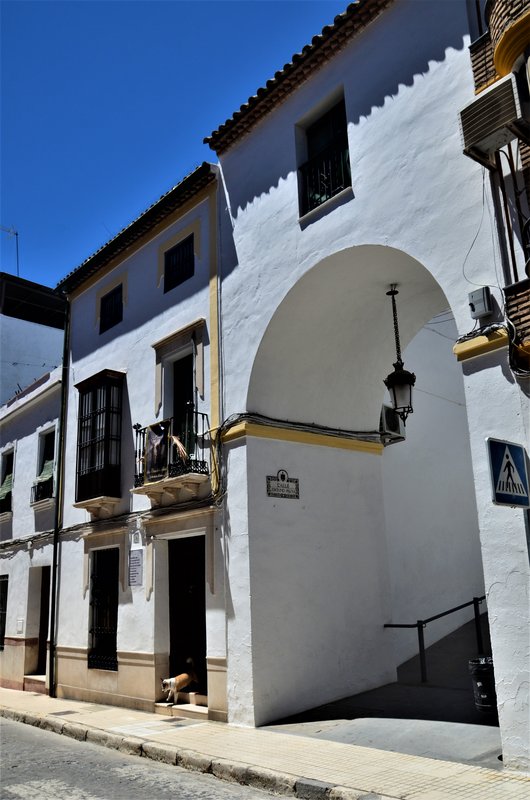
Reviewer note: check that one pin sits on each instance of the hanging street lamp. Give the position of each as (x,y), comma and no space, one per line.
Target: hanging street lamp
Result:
(400,382)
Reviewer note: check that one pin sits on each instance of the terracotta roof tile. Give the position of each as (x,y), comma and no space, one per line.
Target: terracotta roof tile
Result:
(322,47)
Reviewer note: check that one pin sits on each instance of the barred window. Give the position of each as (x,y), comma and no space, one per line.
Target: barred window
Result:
(104,609)
(111,309)
(327,170)
(42,489)
(179,263)
(6,485)
(99,436)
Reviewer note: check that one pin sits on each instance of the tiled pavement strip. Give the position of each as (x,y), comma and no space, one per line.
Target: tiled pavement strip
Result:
(282,763)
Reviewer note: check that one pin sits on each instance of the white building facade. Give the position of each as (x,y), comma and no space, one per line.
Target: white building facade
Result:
(140,542)
(345,175)
(28,453)
(228,491)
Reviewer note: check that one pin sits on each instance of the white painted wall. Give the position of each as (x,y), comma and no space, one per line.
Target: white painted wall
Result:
(319,578)
(149,315)
(22,619)
(23,422)
(497,407)
(429,497)
(28,351)
(415,192)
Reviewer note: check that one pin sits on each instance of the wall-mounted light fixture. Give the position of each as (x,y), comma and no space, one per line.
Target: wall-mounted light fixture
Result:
(400,382)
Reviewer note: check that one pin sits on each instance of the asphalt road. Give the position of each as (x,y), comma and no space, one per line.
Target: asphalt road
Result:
(42,765)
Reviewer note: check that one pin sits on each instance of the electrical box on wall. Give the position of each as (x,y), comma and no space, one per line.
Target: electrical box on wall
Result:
(480,303)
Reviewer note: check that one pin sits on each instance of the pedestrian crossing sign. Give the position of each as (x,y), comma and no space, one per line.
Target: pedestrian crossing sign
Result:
(509,475)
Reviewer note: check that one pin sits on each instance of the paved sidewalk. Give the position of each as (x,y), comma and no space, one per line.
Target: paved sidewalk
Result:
(285,764)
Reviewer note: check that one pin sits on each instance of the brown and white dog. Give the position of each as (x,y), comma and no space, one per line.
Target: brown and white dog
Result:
(174,685)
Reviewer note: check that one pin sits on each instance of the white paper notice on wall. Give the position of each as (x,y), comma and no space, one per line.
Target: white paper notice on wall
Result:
(281,485)
(136,567)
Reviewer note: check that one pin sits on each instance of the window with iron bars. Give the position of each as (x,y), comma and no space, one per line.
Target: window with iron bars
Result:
(179,263)
(104,588)
(327,170)
(42,489)
(111,309)
(6,486)
(99,436)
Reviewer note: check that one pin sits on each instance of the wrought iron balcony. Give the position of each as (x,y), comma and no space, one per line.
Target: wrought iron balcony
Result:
(42,490)
(324,176)
(172,458)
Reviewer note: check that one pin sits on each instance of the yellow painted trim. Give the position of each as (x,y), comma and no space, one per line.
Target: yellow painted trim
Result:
(513,42)
(214,314)
(480,345)
(487,85)
(300,437)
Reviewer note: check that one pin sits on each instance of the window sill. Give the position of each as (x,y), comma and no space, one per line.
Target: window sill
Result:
(43,505)
(328,205)
(99,507)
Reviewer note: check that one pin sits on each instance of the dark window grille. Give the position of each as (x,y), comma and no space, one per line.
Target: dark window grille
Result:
(99,437)
(327,170)
(4,579)
(7,483)
(104,609)
(179,264)
(111,309)
(42,491)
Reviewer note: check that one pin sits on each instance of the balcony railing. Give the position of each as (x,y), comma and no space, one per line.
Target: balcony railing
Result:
(325,176)
(42,490)
(172,448)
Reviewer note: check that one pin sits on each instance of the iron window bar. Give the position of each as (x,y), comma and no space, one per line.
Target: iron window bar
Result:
(42,490)
(325,175)
(422,623)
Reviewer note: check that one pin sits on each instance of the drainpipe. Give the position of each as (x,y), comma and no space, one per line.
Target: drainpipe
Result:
(58,515)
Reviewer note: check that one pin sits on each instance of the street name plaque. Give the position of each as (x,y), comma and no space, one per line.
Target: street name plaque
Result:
(281,485)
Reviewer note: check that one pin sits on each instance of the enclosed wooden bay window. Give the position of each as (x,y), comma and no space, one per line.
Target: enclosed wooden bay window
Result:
(99,436)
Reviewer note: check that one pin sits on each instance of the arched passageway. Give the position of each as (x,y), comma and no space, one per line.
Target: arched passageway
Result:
(376,532)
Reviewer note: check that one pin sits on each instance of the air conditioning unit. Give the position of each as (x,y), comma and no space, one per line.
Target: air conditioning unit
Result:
(496,117)
(391,426)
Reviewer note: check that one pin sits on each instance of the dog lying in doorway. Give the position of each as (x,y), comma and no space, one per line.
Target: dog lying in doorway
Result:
(175,685)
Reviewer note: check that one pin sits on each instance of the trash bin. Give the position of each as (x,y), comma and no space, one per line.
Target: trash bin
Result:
(481,670)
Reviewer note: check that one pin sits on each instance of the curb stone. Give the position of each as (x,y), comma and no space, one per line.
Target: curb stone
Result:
(75,731)
(189,759)
(232,771)
(159,752)
(309,789)
(270,780)
(131,746)
(110,740)
(345,793)
(53,724)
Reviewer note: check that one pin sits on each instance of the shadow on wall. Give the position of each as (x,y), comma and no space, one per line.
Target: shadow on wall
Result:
(403,44)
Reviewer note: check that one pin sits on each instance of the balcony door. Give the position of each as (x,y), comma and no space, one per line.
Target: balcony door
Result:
(183,401)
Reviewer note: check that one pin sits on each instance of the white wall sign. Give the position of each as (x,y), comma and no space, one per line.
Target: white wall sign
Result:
(281,485)
(136,567)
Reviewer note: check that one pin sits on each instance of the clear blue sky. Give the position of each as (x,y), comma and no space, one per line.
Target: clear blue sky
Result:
(105,104)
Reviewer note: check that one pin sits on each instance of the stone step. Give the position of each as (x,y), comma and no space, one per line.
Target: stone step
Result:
(35,683)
